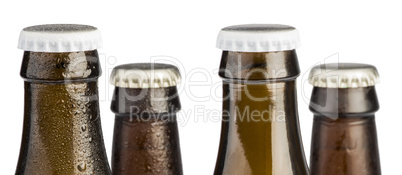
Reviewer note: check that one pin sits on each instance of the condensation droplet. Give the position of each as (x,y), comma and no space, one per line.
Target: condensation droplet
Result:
(82,167)
(84,127)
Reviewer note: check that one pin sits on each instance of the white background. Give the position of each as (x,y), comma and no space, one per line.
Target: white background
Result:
(351,31)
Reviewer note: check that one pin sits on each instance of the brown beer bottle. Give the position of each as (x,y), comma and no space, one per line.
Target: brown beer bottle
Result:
(62,128)
(260,129)
(145,102)
(344,138)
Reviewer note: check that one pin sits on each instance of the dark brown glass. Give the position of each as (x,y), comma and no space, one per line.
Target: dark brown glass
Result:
(62,128)
(344,138)
(146,138)
(260,132)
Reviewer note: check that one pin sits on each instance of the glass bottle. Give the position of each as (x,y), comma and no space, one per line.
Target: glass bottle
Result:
(62,131)
(145,102)
(260,132)
(344,137)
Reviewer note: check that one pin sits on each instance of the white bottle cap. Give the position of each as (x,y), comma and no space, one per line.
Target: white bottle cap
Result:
(60,38)
(145,75)
(258,38)
(343,75)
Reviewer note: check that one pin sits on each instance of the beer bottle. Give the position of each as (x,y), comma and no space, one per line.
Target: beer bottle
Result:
(62,131)
(145,102)
(260,129)
(344,138)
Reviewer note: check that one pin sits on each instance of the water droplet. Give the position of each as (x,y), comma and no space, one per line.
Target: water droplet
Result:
(82,167)
(84,127)
(90,139)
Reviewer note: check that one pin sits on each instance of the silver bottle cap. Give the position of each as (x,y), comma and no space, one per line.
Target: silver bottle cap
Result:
(258,38)
(343,75)
(60,38)
(145,75)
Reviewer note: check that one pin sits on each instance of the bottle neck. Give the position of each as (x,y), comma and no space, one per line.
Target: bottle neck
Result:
(146,129)
(344,137)
(62,128)
(346,145)
(263,130)
(260,128)
(344,102)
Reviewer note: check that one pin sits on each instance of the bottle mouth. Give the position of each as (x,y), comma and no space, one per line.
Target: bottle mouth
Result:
(344,102)
(145,101)
(60,67)
(259,81)
(259,67)
(335,116)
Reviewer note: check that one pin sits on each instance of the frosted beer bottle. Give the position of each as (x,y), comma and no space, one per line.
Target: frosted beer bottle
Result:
(344,137)
(62,131)
(145,102)
(260,128)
